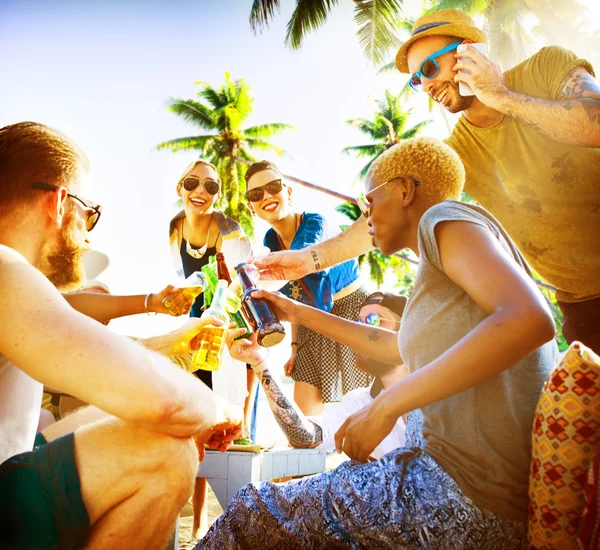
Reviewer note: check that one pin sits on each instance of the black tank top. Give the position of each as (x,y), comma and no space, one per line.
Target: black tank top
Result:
(190,265)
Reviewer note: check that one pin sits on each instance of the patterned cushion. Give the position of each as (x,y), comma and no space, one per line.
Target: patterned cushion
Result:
(566,436)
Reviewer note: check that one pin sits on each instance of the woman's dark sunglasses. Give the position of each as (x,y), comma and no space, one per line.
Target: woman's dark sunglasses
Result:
(256,194)
(93,210)
(210,186)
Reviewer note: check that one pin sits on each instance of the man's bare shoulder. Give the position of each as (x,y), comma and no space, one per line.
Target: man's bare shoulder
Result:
(22,285)
(9,256)
(16,270)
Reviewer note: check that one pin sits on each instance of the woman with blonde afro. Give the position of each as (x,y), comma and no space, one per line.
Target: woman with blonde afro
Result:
(477,338)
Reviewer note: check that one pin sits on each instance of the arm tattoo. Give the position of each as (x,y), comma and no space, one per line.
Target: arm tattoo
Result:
(573,118)
(577,82)
(374,336)
(315,258)
(300,432)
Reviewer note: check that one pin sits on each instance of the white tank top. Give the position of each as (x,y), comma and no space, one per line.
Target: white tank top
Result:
(20,402)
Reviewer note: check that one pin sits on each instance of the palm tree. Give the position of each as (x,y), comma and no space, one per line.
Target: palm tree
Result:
(387,128)
(377,22)
(222,111)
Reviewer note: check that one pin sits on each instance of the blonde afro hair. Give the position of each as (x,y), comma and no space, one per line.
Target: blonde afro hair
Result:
(429,161)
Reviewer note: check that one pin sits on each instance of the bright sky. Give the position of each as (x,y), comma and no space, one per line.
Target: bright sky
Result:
(102,71)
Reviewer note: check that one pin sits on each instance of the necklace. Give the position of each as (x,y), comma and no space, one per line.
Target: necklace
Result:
(198,252)
(297,221)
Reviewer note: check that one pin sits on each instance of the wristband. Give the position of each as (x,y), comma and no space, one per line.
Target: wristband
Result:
(146,306)
(261,366)
(294,344)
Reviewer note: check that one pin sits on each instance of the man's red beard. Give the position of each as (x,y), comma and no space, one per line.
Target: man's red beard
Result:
(64,264)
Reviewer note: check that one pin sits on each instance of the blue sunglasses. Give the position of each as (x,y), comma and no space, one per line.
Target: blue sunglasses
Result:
(430,68)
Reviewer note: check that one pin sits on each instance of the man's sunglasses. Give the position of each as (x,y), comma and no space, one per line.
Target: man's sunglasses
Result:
(430,68)
(256,194)
(374,320)
(210,186)
(362,201)
(93,210)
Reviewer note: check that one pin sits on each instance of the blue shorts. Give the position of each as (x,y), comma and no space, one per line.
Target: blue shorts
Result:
(41,504)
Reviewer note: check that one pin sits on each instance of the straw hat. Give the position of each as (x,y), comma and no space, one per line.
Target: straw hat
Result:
(439,23)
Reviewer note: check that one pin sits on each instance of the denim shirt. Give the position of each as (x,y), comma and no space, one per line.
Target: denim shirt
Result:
(316,289)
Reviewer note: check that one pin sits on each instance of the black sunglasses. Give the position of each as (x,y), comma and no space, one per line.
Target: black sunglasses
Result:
(93,210)
(256,194)
(210,186)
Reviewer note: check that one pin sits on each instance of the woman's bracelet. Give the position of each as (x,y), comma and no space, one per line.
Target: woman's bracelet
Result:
(294,344)
(261,366)
(146,306)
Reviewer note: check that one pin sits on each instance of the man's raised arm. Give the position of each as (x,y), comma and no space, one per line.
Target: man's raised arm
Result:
(291,265)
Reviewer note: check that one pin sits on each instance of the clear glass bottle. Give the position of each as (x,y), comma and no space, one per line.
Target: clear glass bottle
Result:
(191,287)
(211,340)
(232,301)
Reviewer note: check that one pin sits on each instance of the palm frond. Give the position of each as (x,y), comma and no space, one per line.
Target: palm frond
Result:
(369,150)
(363,125)
(378,24)
(213,97)
(387,68)
(308,16)
(414,130)
(266,130)
(244,155)
(471,7)
(192,142)
(243,99)
(192,111)
(363,173)
(375,270)
(350,210)
(262,12)
(262,145)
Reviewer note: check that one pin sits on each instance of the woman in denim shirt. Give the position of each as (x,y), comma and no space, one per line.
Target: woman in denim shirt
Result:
(323,370)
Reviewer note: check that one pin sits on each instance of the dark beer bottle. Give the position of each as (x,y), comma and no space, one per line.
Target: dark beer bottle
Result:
(269,331)
(222,269)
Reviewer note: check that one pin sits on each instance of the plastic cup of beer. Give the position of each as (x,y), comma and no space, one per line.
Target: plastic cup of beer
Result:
(188,290)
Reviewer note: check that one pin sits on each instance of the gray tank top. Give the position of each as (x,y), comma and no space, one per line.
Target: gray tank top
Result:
(482,436)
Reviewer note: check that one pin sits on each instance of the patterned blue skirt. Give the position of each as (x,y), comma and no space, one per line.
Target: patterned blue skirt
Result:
(404,500)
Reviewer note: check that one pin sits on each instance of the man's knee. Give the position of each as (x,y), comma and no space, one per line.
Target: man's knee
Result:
(174,460)
(144,452)
(180,462)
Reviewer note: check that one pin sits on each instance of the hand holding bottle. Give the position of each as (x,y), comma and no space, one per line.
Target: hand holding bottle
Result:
(211,340)
(180,300)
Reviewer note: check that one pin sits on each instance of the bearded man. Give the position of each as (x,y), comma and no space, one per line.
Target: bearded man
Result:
(115,477)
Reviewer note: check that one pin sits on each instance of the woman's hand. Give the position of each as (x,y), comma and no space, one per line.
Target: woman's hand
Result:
(291,363)
(178,342)
(155,301)
(360,434)
(285,265)
(283,308)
